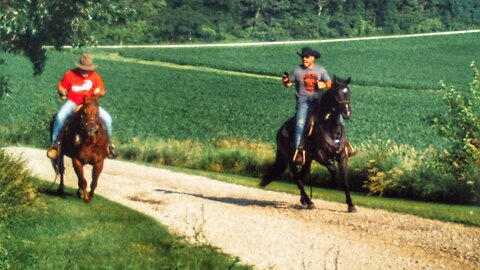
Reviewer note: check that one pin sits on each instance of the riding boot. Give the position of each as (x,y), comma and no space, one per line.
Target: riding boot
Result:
(112,152)
(52,153)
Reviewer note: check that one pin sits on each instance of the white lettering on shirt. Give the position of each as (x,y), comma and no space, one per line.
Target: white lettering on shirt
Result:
(86,86)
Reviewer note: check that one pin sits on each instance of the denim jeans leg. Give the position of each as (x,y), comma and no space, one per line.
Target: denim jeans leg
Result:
(300,119)
(62,116)
(107,120)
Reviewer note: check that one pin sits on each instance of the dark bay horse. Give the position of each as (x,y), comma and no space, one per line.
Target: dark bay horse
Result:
(84,140)
(326,144)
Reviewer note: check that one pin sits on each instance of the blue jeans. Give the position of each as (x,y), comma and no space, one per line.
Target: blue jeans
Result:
(66,112)
(303,106)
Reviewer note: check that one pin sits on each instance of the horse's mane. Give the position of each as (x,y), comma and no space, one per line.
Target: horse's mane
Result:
(324,105)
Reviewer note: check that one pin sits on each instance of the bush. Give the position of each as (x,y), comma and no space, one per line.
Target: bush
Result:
(17,191)
(461,125)
(387,169)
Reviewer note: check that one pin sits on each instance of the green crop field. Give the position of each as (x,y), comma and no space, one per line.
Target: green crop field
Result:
(202,115)
(170,103)
(413,63)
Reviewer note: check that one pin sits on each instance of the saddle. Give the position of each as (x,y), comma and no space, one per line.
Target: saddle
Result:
(334,142)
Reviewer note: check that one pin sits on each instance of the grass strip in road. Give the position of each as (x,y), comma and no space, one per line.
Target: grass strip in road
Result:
(71,234)
(119,58)
(463,214)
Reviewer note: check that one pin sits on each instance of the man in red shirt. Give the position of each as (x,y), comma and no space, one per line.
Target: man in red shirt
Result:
(77,83)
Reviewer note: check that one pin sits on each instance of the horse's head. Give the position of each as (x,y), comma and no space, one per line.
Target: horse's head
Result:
(90,118)
(341,94)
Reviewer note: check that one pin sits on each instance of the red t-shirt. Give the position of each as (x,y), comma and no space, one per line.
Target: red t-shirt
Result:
(79,86)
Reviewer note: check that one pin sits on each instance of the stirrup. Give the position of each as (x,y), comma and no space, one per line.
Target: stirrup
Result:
(295,156)
(352,152)
(111,152)
(310,131)
(53,151)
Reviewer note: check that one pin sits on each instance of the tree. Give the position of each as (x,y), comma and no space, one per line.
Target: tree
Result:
(27,26)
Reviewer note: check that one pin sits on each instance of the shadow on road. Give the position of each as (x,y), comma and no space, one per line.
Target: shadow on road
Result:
(234,201)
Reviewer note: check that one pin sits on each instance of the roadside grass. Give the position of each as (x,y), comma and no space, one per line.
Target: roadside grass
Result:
(70,234)
(464,214)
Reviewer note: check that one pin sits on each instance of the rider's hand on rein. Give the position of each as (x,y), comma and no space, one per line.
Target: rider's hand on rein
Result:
(322,85)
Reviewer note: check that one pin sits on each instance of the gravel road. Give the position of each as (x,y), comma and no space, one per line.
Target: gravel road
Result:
(269,230)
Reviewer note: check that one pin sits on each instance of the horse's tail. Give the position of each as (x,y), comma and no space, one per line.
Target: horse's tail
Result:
(274,170)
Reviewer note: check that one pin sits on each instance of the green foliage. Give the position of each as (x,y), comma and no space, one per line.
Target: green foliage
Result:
(26,26)
(461,125)
(17,193)
(203,21)
(387,169)
(70,234)
(5,88)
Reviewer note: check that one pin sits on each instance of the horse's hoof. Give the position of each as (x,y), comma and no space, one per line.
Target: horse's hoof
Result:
(352,209)
(61,191)
(86,198)
(311,206)
(91,193)
(79,193)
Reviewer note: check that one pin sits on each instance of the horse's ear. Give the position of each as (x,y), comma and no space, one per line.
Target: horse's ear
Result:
(335,79)
(348,80)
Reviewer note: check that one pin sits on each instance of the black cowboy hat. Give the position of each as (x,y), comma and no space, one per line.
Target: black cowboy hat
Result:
(307,51)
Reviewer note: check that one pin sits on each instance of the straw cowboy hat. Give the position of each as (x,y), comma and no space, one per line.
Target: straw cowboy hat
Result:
(86,62)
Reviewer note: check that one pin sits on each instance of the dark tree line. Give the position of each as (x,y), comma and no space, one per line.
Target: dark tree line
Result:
(159,21)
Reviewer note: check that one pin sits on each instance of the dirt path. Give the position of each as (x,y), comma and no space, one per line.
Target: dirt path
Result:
(269,230)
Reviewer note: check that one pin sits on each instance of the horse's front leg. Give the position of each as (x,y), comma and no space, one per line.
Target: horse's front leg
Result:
(342,164)
(333,174)
(97,169)
(299,178)
(82,182)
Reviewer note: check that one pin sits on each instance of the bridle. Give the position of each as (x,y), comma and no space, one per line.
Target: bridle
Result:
(90,124)
(343,102)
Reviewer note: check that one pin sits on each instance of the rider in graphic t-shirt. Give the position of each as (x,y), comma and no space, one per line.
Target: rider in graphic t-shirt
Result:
(75,85)
(309,79)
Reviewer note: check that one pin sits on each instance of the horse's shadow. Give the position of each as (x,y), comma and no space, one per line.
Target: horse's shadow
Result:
(49,191)
(234,201)
(247,202)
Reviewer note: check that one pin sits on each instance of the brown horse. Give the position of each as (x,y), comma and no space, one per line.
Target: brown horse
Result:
(84,140)
(326,144)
